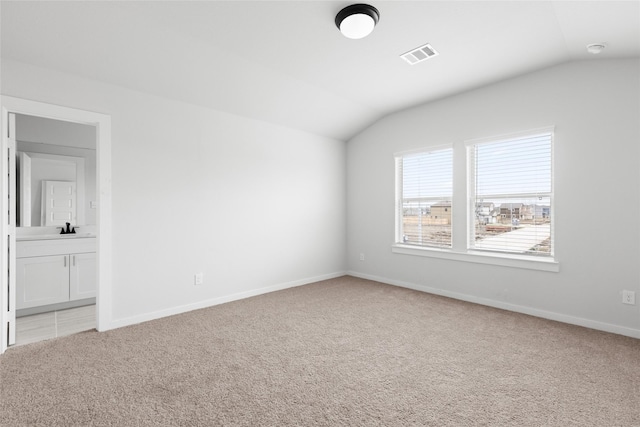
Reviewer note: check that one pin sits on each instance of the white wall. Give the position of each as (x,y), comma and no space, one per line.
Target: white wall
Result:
(251,205)
(191,187)
(595,107)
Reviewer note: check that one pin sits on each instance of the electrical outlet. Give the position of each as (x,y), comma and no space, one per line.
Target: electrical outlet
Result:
(629,297)
(198,278)
(361,257)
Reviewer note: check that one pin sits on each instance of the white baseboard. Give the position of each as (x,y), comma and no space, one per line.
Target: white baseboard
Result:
(119,323)
(564,318)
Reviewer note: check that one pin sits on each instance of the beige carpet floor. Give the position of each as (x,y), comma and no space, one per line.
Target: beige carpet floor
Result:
(342,352)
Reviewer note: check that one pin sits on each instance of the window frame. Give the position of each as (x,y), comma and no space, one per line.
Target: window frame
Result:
(471,183)
(462,198)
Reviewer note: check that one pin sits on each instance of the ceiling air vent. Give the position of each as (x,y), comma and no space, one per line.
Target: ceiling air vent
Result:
(419,54)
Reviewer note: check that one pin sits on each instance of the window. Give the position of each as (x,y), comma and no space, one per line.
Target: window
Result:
(507,193)
(510,194)
(424,198)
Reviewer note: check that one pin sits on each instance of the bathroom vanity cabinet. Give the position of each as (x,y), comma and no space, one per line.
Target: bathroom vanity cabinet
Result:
(52,271)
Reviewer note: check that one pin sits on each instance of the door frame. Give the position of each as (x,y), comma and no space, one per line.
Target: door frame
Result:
(102,123)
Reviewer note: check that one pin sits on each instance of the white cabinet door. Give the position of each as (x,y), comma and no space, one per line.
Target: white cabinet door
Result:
(83,276)
(42,280)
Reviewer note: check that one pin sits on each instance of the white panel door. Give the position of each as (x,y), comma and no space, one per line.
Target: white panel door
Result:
(8,232)
(83,276)
(42,280)
(58,203)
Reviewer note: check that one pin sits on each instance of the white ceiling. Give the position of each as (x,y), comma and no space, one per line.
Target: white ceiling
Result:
(286,63)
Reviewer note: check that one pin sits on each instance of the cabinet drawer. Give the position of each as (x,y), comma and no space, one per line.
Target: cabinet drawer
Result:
(31,248)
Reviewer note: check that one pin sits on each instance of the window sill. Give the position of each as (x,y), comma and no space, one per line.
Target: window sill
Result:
(505,260)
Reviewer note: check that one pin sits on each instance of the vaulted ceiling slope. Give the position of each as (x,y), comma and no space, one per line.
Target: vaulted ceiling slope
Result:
(286,63)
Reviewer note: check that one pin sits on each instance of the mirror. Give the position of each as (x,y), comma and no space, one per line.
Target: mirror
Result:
(56,172)
(51,187)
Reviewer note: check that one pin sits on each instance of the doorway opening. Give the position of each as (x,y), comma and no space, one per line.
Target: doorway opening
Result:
(47,265)
(56,277)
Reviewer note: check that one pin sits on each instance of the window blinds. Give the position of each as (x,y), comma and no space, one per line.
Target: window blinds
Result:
(511,194)
(425,201)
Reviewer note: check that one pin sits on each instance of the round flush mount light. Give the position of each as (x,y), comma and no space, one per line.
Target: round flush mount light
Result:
(596,48)
(357,21)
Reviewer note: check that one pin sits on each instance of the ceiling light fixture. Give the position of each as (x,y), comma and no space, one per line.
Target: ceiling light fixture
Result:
(595,48)
(357,21)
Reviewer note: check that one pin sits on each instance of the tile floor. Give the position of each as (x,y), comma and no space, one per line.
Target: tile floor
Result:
(44,326)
